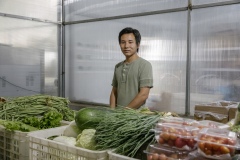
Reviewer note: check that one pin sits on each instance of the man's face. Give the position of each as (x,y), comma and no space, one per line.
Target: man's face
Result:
(128,44)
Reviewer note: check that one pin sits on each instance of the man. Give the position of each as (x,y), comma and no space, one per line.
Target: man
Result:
(133,77)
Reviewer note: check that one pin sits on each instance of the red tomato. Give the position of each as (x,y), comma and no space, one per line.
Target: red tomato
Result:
(201,145)
(173,136)
(215,146)
(162,157)
(174,156)
(171,130)
(155,156)
(223,140)
(224,150)
(180,142)
(191,143)
(149,157)
(231,142)
(208,146)
(165,136)
(170,142)
(161,141)
(208,152)
(217,152)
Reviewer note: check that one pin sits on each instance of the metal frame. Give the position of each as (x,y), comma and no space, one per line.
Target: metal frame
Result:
(127,16)
(62,55)
(28,18)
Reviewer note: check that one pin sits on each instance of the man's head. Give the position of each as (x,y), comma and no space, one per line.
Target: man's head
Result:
(130,31)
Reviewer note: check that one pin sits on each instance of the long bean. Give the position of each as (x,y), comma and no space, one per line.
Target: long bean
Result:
(21,107)
(125,131)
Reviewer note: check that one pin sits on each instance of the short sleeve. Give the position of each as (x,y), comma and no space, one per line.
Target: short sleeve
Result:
(114,80)
(146,75)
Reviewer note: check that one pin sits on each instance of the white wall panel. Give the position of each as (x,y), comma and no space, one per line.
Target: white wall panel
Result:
(92,51)
(91,9)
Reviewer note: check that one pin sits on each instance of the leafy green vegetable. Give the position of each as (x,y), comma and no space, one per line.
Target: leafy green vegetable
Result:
(36,105)
(235,128)
(71,130)
(14,125)
(66,140)
(32,121)
(86,139)
(39,111)
(51,119)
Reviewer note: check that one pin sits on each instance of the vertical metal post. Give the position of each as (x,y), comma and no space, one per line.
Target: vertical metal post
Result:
(188,65)
(61,62)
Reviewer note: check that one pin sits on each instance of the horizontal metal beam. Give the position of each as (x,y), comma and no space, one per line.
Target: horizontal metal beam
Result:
(27,18)
(215,4)
(127,16)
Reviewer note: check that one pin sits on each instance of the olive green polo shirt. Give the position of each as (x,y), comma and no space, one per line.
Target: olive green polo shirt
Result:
(130,77)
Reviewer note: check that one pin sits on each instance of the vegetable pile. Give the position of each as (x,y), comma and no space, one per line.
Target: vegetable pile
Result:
(125,131)
(39,111)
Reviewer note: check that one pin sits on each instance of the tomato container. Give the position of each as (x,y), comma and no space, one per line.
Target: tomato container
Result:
(160,152)
(211,124)
(179,120)
(217,143)
(176,135)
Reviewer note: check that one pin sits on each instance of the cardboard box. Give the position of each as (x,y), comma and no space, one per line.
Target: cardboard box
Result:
(232,113)
(220,111)
(209,112)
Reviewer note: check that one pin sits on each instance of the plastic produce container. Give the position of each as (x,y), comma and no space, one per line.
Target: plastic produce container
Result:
(115,156)
(14,145)
(176,136)
(217,143)
(190,122)
(159,152)
(41,148)
(178,120)
(212,124)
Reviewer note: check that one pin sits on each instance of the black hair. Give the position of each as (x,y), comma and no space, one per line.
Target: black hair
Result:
(128,30)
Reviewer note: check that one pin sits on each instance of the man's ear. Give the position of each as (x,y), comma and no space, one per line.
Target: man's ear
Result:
(138,45)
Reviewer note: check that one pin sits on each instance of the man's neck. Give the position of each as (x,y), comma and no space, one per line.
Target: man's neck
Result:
(132,58)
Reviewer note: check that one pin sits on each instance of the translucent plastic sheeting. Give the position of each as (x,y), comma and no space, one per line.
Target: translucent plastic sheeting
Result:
(28,57)
(41,9)
(91,9)
(92,51)
(215,70)
(199,2)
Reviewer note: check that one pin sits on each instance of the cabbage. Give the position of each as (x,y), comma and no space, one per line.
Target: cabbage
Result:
(86,139)
(71,130)
(71,141)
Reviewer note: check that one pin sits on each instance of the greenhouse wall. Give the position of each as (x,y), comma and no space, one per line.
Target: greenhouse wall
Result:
(29,35)
(193,47)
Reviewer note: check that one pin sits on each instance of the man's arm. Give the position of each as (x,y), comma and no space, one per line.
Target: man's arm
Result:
(140,98)
(113,97)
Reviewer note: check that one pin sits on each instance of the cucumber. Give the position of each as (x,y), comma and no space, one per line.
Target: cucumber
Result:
(89,117)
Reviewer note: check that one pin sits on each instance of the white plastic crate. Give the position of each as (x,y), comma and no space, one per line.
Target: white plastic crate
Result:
(14,145)
(41,148)
(115,156)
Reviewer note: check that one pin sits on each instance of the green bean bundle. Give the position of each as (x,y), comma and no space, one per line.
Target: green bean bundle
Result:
(17,109)
(125,131)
